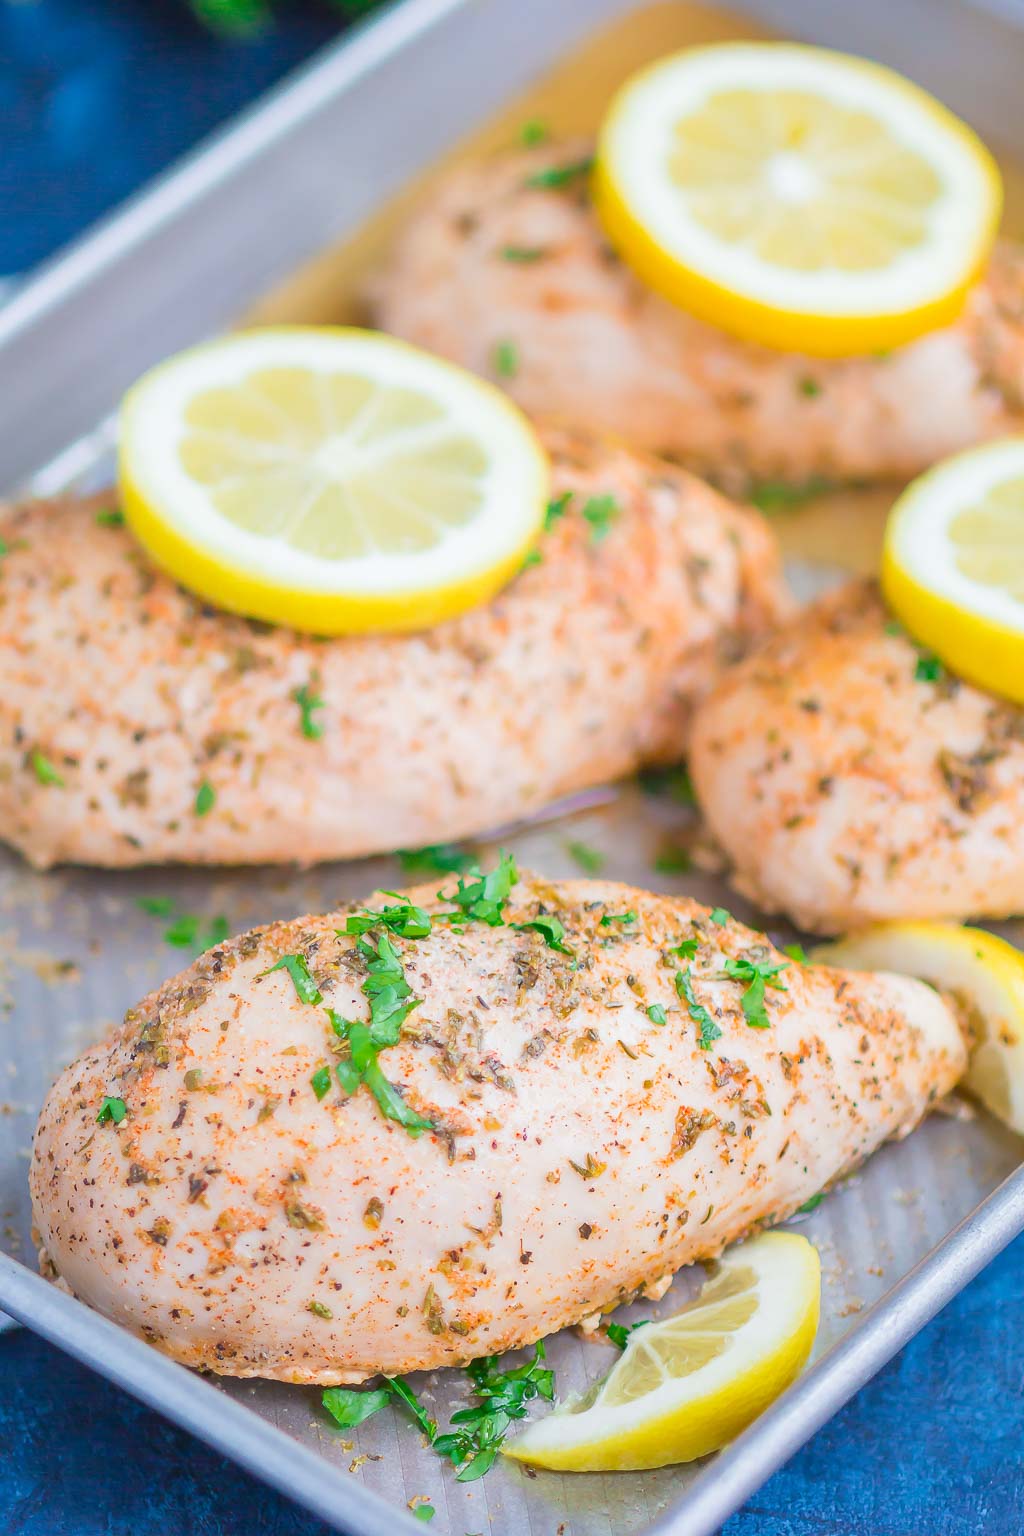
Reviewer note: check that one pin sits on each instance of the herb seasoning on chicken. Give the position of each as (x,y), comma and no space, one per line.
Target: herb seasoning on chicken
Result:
(851,779)
(168,731)
(593,345)
(538,1084)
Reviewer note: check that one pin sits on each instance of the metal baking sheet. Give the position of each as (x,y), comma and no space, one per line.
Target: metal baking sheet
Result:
(75,948)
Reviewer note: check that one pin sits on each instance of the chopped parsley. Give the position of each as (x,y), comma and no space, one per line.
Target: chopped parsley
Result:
(44,770)
(110,517)
(811,1204)
(309,703)
(534,132)
(475,1435)
(363,1066)
(556,508)
(781,496)
(349,1407)
(391,1001)
(523,255)
(672,861)
(506,359)
(928,668)
(709,1030)
(5,548)
(404,919)
(483,900)
(590,860)
(437,859)
(321,1081)
(657,1014)
(424,1512)
(618,917)
(306,988)
(406,1395)
(190,931)
(206,798)
(720,916)
(112,1110)
(385,989)
(618,1333)
(560,176)
(551,930)
(685,949)
(674,783)
(601,512)
(808,387)
(237,18)
(796,952)
(758,975)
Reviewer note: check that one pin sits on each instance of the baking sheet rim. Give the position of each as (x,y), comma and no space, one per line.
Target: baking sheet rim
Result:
(239,1432)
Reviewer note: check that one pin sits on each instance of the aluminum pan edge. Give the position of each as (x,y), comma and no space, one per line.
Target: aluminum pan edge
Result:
(193,250)
(151,279)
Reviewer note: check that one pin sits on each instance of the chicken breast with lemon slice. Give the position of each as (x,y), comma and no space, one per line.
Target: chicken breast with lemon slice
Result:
(851,779)
(518,283)
(599,1085)
(140,726)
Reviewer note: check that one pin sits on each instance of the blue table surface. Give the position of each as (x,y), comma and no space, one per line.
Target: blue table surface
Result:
(95,97)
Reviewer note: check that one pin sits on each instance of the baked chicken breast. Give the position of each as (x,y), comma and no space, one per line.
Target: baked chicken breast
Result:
(516,281)
(851,779)
(139,726)
(595,1090)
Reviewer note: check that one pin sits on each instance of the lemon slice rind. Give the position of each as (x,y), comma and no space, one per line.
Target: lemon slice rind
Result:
(976,627)
(689,1416)
(984,975)
(822,310)
(267,577)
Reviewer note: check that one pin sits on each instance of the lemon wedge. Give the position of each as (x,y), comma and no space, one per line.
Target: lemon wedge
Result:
(953,564)
(687,1385)
(796,197)
(982,973)
(334,480)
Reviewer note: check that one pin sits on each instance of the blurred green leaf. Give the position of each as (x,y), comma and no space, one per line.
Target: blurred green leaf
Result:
(247,18)
(233,18)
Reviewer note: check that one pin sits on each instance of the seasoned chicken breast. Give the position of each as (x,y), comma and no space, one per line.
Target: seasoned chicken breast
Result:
(137,725)
(593,1096)
(517,282)
(851,779)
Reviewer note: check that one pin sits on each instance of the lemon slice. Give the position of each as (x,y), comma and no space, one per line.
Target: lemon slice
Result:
(796,197)
(953,564)
(686,1386)
(335,480)
(982,973)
